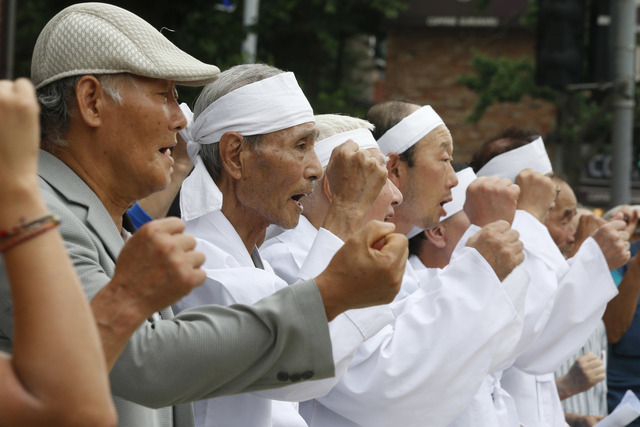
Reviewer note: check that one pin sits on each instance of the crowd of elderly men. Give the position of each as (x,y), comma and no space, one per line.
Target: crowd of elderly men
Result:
(326,270)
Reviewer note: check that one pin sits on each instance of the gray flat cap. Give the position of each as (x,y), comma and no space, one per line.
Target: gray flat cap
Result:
(98,38)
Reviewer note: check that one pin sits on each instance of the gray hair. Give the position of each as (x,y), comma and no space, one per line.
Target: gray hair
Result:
(333,124)
(388,114)
(229,80)
(56,99)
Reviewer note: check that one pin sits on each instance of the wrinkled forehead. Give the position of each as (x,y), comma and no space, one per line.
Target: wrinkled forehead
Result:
(436,141)
(304,131)
(566,197)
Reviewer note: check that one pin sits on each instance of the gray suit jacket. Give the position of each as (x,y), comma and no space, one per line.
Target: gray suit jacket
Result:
(203,352)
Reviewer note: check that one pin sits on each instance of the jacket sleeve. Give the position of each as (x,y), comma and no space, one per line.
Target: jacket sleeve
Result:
(211,350)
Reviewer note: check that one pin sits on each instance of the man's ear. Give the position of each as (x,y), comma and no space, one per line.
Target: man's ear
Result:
(437,236)
(395,168)
(230,148)
(90,100)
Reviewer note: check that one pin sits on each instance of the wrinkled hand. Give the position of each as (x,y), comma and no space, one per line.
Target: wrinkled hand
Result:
(538,193)
(613,240)
(366,271)
(499,245)
(158,265)
(491,199)
(630,217)
(19,133)
(588,223)
(584,420)
(585,372)
(355,177)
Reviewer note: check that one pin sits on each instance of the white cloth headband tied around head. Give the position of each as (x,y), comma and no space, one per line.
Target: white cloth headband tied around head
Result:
(363,137)
(510,164)
(409,130)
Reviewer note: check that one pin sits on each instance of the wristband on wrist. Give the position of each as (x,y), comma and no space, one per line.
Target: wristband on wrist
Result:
(26,230)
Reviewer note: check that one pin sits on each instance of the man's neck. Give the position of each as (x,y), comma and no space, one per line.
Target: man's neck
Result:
(248,226)
(402,227)
(315,220)
(433,258)
(86,170)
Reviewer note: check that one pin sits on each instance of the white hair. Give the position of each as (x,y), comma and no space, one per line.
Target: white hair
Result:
(332,124)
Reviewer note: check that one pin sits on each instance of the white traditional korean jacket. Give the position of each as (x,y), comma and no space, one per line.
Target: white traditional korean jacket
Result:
(235,276)
(425,367)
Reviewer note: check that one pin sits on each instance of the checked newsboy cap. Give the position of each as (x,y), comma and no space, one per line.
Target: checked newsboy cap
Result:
(99,38)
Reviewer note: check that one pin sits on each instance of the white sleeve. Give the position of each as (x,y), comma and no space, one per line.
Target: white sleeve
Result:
(348,332)
(427,365)
(542,260)
(282,260)
(324,247)
(583,294)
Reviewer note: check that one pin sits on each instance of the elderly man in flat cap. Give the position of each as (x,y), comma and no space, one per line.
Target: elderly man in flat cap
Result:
(106,84)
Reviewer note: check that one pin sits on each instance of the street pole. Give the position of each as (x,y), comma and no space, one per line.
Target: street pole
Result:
(624,35)
(250,18)
(7,37)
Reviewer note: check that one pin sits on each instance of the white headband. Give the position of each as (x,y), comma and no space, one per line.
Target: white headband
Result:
(511,163)
(409,130)
(363,137)
(258,108)
(458,196)
(459,193)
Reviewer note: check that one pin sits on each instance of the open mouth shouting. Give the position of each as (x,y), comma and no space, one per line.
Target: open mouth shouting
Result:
(166,151)
(443,211)
(297,197)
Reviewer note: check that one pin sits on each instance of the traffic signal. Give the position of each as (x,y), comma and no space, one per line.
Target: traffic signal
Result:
(561,42)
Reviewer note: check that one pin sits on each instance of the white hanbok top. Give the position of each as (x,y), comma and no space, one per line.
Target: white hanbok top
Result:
(422,271)
(235,276)
(288,254)
(561,307)
(536,398)
(423,368)
(582,296)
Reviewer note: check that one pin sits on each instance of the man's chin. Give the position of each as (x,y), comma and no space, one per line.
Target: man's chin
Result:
(289,223)
(429,222)
(566,250)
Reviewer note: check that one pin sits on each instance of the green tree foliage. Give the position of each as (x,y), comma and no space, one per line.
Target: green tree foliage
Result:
(501,80)
(583,115)
(583,119)
(316,39)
